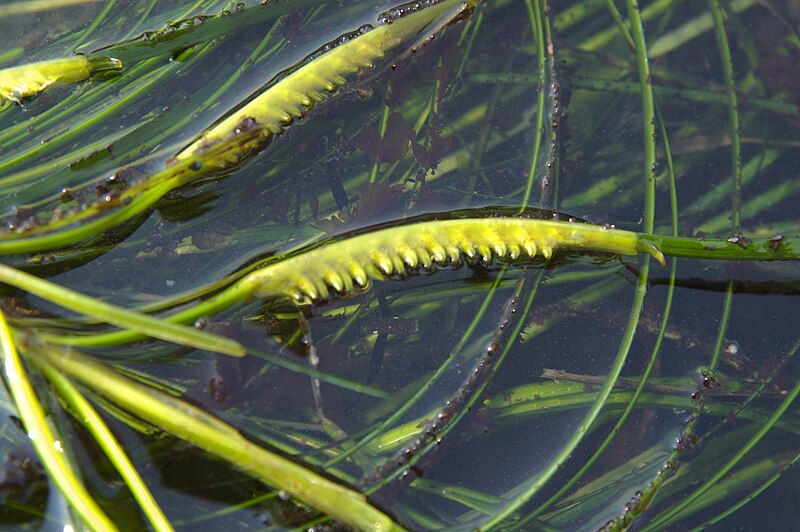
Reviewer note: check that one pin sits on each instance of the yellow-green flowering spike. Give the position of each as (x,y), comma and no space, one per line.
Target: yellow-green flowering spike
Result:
(500,249)
(438,253)
(347,283)
(469,251)
(383,262)
(297,92)
(530,248)
(399,265)
(376,253)
(322,289)
(334,280)
(409,256)
(424,258)
(28,80)
(301,285)
(454,254)
(484,252)
(358,274)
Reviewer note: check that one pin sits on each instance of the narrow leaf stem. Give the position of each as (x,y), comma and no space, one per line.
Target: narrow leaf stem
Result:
(48,448)
(89,417)
(208,432)
(118,316)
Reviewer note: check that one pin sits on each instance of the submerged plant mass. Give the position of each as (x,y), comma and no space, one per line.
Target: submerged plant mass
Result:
(383,266)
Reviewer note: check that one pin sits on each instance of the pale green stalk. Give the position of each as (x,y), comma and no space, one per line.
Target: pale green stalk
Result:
(48,448)
(89,417)
(108,313)
(200,428)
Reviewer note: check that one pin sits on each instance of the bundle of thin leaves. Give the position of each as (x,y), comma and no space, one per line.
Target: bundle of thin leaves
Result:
(309,264)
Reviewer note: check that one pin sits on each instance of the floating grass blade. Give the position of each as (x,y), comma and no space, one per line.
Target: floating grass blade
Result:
(299,91)
(102,215)
(347,265)
(312,275)
(249,129)
(118,316)
(207,432)
(89,417)
(17,83)
(47,447)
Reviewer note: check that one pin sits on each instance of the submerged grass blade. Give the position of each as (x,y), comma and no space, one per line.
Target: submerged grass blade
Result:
(381,430)
(35,6)
(733,112)
(589,420)
(207,432)
(674,510)
(48,448)
(114,315)
(535,19)
(747,499)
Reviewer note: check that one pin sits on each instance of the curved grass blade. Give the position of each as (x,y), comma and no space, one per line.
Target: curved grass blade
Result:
(592,415)
(544,398)
(535,19)
(375,440)
(676,509)
(650,365)
(207,432)
(755,493)
(23,7)
(118,316)
(226,144)
(347,265)
(299,91)
(472,388)
(47,447)
(89,417)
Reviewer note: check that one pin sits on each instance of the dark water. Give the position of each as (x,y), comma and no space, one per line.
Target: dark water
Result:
(449,127)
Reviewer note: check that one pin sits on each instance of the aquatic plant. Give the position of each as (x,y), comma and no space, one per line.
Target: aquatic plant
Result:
(341,196)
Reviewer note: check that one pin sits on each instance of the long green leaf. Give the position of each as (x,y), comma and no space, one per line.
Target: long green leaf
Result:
(48,447)
(118,316)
